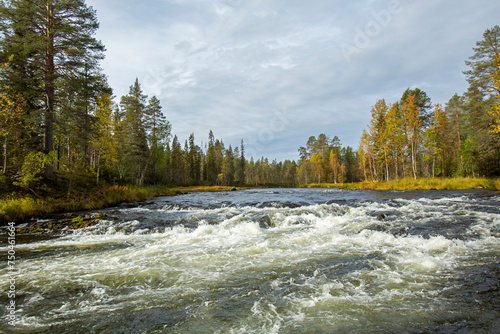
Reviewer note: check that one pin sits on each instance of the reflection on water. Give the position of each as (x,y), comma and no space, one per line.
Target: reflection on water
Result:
(270,261)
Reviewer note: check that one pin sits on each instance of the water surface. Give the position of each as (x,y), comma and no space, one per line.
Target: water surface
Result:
(270,261)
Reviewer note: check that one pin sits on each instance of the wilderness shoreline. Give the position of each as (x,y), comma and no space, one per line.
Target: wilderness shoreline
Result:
(409,184)
(24,208)
(15,208)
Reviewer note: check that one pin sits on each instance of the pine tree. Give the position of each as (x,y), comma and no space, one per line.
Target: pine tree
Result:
(483,145)
(495,111)
(50,40)
(484,64)
(422,102)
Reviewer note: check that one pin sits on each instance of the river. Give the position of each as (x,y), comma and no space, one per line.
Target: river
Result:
(269,261)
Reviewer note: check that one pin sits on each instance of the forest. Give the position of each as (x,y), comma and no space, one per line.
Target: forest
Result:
(59,120)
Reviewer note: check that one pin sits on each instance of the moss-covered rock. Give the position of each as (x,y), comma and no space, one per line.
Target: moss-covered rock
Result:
(69,222)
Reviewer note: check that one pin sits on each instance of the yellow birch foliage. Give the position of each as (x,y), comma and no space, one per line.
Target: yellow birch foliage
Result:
(413,123)
(105,141)
(12,110)
(334,165)
(495,112)
(317,162)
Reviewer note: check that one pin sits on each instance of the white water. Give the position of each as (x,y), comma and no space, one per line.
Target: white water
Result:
(200,264)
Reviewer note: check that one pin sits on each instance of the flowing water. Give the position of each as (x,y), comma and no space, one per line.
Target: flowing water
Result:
(269,261)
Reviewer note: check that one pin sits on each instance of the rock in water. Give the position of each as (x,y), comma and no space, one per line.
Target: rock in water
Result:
(233,189)
(381,216)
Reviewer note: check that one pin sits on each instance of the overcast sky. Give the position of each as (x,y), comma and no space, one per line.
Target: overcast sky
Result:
(276,72)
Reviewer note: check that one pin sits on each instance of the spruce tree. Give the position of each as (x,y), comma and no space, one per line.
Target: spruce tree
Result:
(134,144)
(241,165)
(194,161)
(158,131)
(211,160)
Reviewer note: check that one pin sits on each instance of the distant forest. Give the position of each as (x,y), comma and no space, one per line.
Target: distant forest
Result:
(58,118)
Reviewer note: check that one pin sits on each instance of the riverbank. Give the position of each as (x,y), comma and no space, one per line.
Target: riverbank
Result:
(20,207)
(17,207)
(418,184)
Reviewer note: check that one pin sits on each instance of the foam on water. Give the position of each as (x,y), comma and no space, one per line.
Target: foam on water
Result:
(272,269)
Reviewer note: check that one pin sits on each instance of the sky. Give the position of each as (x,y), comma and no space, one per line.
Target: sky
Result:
(276,72)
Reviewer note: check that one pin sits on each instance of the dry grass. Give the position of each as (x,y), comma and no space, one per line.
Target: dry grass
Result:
(192,189)
(429,184)
(22,208)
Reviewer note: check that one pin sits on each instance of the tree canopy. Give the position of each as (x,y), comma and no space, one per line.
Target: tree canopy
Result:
(58,116)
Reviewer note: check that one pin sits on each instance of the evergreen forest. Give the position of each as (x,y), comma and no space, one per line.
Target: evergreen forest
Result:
(59,119)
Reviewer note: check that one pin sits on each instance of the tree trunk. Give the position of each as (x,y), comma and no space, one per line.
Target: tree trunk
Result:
(59,148)
(397,166)
(404,167)
(143,172)
(49,88)
(69,152)
(86,119)
(386,166)
(98,167)
(5,155)
(434,166)
(414,160)
(459,144)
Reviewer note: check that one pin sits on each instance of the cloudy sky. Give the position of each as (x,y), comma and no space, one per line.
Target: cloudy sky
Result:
(276,72)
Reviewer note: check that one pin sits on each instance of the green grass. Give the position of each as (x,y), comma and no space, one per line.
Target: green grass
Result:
(428,184)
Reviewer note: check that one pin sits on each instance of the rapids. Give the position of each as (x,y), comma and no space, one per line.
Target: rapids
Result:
(268,261)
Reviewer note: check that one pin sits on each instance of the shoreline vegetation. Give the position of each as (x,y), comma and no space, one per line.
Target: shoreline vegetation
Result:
(21,208)
(409,184)
(67,142)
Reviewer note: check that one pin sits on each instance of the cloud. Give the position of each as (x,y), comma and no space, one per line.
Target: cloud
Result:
(275,72)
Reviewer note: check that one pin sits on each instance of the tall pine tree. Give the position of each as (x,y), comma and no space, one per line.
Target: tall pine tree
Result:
(46,42)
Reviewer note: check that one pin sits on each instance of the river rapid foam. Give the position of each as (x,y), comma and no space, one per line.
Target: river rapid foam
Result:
(270,261)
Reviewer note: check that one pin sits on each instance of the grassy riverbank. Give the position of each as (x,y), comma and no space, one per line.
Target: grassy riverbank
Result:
(48,199)
(420,184)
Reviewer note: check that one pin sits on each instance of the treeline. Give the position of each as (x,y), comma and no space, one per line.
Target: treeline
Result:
(57,113)
(214,164)
(51,86)
(413,138)
(58,118)
(142,150)
(325,160)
